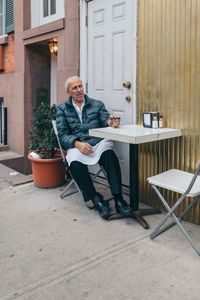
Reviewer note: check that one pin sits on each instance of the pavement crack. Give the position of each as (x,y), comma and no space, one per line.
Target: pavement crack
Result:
(69,272)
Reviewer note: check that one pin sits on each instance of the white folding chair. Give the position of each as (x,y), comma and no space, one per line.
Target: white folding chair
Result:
(184,183)
(67,193)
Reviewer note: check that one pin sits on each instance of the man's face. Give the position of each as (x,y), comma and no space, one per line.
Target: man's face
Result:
(76,90)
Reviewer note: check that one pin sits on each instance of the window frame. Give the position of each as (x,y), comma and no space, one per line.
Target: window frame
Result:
(37,10)
(49,8)
(7,17)
(50,18)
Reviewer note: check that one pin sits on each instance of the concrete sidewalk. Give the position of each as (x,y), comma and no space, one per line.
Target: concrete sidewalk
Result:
(59,249)
(9,176)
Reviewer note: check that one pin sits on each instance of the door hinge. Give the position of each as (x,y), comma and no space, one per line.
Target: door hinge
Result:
(86,87)
(86,21)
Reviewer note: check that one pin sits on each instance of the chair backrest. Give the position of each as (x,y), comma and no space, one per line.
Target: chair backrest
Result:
(60,147)
(193,179)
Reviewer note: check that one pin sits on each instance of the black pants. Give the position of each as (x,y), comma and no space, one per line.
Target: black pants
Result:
(81,175)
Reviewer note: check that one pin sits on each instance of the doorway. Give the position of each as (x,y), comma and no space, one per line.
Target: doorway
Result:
(110,71)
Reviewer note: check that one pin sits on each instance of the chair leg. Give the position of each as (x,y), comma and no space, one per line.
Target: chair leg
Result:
(101,170)
(96,175)
(187,208)
(177,221)
(65,193)
(160,230)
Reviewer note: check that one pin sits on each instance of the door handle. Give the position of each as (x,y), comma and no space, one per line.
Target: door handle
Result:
(127,84)
(128,99)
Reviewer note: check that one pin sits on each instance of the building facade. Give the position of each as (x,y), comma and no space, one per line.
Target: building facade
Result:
(29,72)
(152,44)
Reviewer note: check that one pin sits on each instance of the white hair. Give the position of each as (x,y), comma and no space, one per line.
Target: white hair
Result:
(68,82)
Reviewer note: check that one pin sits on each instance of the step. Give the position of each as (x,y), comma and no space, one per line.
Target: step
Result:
(13,177)
(4,147)
(8,154)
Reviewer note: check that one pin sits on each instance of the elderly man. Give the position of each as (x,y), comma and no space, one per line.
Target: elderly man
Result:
(74,118)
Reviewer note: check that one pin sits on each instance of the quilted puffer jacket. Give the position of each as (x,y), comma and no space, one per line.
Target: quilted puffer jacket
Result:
(70,128)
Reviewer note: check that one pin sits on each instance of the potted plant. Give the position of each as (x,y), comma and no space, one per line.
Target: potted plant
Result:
(47,165)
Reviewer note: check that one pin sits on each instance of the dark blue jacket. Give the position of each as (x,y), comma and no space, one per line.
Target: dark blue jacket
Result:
(70,128)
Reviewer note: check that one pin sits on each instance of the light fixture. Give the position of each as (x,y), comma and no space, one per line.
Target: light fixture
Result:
(53,46)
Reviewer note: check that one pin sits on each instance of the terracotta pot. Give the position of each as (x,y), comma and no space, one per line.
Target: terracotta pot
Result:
(47,173)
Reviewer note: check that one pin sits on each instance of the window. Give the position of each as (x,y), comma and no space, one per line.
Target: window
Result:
(49,8)
(46,11)
(6,17)
(2,17)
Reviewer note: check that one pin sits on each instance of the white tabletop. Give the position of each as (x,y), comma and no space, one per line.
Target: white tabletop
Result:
(135,134)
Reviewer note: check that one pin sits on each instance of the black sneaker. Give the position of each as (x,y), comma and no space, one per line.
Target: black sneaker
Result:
(122,207)
(101,206)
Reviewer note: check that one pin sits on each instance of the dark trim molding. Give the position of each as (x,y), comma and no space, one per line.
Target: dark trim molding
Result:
(47,28)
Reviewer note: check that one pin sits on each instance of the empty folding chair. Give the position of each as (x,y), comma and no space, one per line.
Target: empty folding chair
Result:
(184,183)
(66,193)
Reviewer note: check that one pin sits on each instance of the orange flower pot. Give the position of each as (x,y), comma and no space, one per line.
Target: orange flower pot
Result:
(47,173)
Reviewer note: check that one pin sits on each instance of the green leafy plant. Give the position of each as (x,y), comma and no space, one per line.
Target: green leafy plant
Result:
(42,137)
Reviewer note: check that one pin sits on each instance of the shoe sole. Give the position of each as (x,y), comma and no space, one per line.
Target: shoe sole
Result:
(123,213)
(106,215)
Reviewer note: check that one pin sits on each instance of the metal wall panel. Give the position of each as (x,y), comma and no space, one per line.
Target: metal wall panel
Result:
(169,82)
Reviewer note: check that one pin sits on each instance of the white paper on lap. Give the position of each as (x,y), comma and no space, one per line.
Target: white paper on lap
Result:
(75,155)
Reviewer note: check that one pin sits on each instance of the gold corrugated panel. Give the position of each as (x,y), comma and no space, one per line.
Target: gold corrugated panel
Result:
(169,81)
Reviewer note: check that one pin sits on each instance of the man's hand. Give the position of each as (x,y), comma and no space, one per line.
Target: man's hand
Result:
(84,148)
(110,120)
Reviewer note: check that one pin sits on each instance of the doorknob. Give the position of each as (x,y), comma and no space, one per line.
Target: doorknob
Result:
(127,84)
(128,99)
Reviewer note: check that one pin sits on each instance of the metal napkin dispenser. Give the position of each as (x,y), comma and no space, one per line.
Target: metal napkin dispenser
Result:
(150,119)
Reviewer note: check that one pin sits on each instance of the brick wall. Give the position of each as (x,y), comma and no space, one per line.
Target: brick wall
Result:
(7,55)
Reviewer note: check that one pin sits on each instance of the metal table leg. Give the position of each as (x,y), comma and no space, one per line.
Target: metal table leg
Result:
(136,213)
(134,190)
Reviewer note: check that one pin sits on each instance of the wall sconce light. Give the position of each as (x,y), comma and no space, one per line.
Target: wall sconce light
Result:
(53,46)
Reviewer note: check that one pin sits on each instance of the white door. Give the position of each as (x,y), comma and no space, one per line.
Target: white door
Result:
(112,62)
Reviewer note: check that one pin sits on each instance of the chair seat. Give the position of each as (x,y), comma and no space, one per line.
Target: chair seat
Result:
(176,181)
